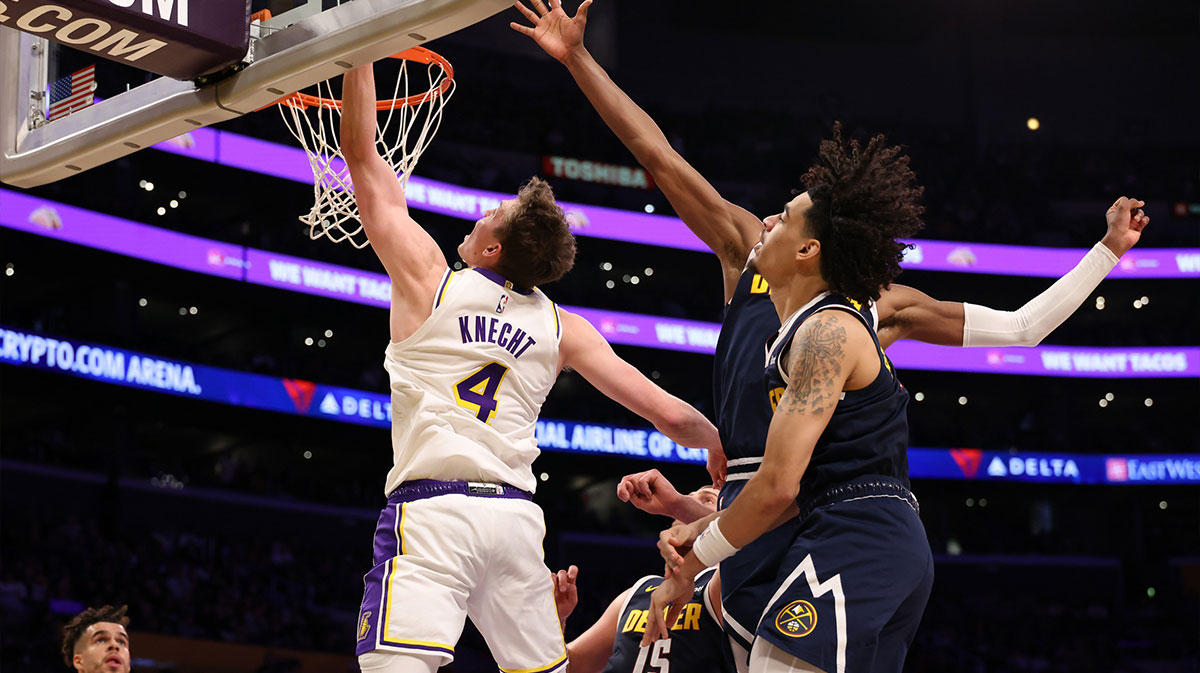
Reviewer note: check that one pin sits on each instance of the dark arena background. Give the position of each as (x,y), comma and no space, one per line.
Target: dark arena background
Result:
(216,458)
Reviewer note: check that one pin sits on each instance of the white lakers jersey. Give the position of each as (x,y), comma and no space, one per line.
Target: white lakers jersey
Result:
(468,385)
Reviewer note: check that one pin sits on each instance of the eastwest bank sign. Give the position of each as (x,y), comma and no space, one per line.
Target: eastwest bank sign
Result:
(168,37)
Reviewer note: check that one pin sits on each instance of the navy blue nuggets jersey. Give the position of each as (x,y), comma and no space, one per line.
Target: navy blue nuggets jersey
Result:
(743,416)
(868,432)
(697,642)
(854,578)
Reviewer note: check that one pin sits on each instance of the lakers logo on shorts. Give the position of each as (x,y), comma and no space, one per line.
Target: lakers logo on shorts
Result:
(797,620)
(364,625)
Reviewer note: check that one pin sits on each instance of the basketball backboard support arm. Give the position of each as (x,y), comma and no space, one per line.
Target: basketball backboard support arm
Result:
(311,50)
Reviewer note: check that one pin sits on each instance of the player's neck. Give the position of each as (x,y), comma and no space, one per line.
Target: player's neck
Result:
(794,293)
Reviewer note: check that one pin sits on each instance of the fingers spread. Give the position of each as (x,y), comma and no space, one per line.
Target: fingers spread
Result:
(526,11)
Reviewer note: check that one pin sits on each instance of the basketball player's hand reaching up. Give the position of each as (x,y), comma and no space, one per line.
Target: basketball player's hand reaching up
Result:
(1125,223)
(555,32)
(566,596)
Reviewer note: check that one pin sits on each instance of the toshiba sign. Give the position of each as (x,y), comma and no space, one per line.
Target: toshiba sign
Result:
(160,36)
(594,171)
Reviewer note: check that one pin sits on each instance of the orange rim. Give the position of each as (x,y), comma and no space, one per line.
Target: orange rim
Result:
(417,54)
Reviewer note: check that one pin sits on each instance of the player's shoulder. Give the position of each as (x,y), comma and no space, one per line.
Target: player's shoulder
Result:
(829,335)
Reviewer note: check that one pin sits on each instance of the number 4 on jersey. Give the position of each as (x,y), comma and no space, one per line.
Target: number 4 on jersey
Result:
(478,391)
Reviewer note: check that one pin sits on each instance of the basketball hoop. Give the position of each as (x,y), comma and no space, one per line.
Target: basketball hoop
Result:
(404,134)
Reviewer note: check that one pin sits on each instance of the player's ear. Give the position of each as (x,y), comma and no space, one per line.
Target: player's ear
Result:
(809,249)
(492,251)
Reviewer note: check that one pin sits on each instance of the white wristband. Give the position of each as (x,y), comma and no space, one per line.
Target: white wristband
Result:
(711,547)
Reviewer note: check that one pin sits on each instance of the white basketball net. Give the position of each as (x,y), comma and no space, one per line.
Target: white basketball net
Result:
(403,134)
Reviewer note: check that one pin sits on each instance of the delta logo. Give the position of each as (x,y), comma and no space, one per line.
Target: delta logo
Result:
(301,393)
(968,461)
(1037,469)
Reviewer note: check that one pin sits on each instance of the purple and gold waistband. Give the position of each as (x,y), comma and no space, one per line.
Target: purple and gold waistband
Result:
(419,489)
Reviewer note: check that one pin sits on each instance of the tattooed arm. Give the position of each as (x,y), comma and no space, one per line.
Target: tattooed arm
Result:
(824,356)
(830,352)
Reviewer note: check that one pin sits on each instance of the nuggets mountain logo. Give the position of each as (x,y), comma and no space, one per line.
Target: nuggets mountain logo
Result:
(797,620)
(364,625)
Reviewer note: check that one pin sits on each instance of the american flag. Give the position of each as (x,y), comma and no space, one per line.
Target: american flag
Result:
(73,92)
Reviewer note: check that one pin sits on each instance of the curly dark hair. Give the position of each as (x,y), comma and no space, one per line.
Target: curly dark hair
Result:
(864,198)
(537,245)
(79,624)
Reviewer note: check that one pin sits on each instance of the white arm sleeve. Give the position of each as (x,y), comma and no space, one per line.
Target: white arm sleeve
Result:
(1028,325)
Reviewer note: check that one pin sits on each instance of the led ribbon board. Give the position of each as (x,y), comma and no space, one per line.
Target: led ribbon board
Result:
(105,232)
(289,163)
(305,398)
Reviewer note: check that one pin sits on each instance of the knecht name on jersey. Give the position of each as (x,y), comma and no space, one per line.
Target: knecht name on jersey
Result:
(484,329)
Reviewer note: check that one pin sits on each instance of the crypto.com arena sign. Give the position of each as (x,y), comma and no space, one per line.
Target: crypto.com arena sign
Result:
(163,36)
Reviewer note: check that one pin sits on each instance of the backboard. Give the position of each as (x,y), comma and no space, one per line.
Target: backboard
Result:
(304,42)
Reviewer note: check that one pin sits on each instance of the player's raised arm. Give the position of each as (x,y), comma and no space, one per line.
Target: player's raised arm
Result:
(413,260)
(585,350)
(908,313)
(729,230)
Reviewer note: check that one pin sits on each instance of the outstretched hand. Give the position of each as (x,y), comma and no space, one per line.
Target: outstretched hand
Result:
(566,595)
(1126,220)
(555,32)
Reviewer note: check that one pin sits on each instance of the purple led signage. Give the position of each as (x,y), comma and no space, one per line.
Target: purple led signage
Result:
(141,241)
(290,163)
(311,277)
(113,234)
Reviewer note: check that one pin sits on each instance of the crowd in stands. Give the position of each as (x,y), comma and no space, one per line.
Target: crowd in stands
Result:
(303,593)
(260,591)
